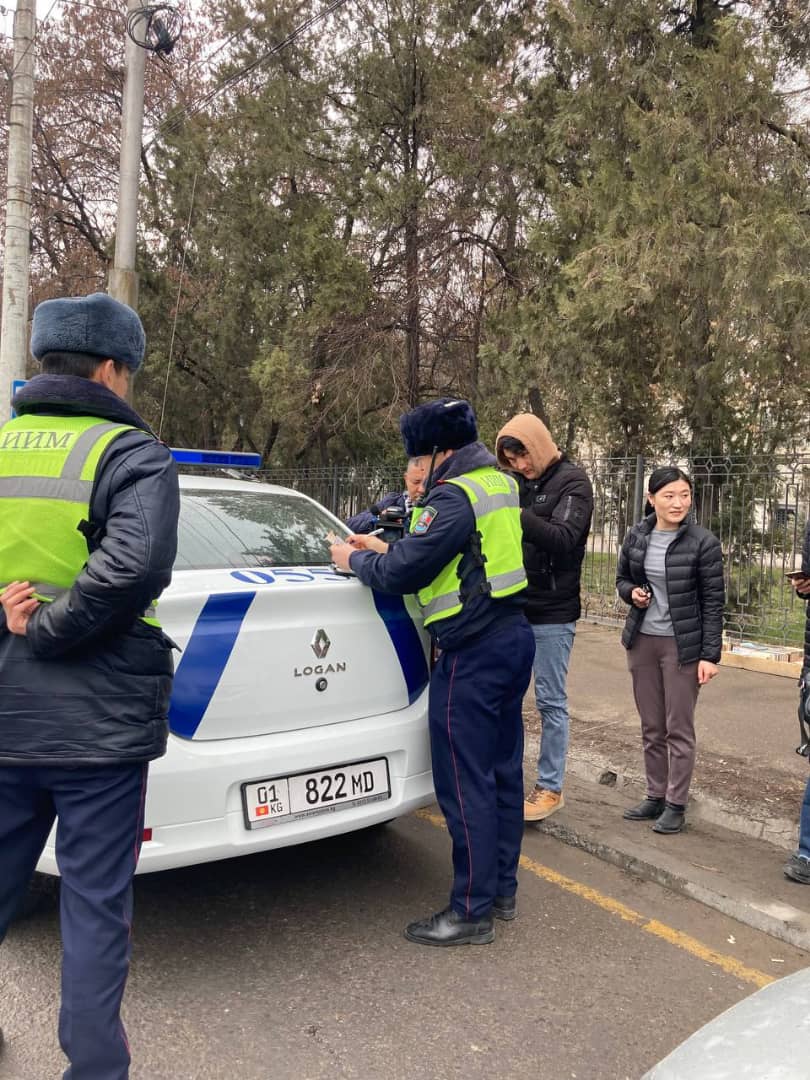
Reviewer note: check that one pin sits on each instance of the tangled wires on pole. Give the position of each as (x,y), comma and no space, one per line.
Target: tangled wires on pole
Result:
(156,27)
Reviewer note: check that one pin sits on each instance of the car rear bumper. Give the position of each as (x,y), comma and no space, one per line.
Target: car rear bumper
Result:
(194,799)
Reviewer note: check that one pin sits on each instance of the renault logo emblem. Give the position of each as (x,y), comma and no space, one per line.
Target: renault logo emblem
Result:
(320,644)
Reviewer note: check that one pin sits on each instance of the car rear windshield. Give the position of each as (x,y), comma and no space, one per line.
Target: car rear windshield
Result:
(240,528)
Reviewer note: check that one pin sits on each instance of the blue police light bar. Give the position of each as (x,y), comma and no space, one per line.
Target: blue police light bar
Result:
(217,459)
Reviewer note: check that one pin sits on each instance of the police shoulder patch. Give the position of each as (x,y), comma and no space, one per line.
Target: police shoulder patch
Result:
(424,521)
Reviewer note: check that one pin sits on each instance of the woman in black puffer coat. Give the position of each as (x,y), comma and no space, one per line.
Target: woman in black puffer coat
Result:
(671,574)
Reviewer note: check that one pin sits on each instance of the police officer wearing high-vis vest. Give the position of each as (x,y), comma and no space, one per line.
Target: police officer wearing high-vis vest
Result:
(88,533)
(463,559)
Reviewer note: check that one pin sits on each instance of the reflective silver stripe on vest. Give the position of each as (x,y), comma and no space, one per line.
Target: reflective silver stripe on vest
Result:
(496,583)
(45,487)
(487,503)
(67,487)
(439,604)
(53,592)
(83,448)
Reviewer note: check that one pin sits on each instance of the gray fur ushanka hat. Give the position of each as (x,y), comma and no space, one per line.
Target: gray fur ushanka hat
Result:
(446,424)
(94,324)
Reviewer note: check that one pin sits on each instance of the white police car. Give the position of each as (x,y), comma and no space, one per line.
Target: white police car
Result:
(299,707)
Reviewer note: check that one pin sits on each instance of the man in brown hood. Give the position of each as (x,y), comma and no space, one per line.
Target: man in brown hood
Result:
(556,501)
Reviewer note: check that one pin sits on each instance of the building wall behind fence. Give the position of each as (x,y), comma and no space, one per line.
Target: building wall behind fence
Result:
(757,506)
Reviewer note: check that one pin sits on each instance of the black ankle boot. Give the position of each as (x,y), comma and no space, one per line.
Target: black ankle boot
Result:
(646,810)
(672,820)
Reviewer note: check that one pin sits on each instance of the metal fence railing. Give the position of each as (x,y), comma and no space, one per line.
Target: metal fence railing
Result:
(343,489)
(757,506)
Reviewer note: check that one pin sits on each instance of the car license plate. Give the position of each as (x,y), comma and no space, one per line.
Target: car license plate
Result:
(281,798)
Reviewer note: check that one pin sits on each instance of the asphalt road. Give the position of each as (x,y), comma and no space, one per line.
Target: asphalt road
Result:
(292,966)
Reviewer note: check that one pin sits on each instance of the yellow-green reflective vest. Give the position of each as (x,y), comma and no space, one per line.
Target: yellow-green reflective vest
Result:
(494,499)
(47,469)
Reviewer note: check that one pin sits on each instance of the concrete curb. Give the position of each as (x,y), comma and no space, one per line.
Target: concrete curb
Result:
(780,921)
(756,822)
(784,669)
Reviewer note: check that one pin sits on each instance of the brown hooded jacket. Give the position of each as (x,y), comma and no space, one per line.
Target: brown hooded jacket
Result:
(556,517)
(535,436)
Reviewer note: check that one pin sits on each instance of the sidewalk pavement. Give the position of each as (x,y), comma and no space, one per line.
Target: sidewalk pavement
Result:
(744,803)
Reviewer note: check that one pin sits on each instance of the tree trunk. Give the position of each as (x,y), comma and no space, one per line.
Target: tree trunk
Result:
(537,404)
(410,158)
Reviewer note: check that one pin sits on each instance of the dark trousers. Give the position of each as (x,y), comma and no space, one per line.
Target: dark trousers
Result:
(98,840)
(666,693)
(476,738)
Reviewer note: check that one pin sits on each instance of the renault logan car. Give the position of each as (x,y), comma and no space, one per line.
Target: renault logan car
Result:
(299,707)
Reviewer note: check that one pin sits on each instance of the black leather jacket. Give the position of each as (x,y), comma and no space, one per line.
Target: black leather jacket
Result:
(695,586)
(90,682)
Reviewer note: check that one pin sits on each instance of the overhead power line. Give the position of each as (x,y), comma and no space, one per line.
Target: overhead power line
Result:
(155,27)
(93,6)
(176,120)
(31,43)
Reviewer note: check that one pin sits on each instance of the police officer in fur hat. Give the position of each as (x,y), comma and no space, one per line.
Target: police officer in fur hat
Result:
(463,559)
(89,503)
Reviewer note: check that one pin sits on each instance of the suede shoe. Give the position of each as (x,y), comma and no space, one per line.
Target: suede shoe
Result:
(672,820)
(647,810)
(505,907)
(449,928)
(542,803)
(797,869)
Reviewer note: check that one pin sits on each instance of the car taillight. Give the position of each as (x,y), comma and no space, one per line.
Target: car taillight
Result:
(147,835)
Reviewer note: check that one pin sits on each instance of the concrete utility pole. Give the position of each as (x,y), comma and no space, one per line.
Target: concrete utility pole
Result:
(17,254)
(123,280)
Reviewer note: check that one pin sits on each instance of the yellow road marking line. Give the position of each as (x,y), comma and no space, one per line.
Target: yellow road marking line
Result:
(616,907)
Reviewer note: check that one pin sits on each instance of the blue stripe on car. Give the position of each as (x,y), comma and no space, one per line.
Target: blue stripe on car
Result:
(204,659)
(405,639)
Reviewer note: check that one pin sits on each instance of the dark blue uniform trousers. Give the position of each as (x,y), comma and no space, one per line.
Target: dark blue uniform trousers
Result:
(98,840)
(476,739)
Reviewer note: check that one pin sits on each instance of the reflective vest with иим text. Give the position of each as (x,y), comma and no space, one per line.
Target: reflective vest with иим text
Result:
(48,467)
(495,503)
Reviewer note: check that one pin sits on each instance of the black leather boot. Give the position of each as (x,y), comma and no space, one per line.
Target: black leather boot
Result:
(646,810)
(505,907)
(672,820)
(449,928)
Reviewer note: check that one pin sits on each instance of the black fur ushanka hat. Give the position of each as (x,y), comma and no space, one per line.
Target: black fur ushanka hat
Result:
(446,424)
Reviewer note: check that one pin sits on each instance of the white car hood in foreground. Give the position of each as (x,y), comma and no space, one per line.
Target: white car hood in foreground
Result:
(764,1037)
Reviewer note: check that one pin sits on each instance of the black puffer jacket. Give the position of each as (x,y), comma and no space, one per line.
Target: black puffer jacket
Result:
(89,683)
(695,587)
(556,519)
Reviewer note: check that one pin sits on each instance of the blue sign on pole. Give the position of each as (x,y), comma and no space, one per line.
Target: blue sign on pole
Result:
(16,384)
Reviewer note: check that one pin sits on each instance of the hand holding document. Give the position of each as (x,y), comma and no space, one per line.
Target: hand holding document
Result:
(341,549)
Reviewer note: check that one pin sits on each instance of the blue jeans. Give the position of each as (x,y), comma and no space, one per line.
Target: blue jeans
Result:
(553,643)
(804,825)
